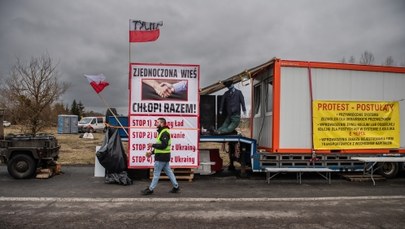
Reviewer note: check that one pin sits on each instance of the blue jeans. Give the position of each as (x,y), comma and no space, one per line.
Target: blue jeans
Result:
(158,167)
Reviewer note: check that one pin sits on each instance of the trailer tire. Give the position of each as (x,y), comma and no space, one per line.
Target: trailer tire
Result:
(389,169)
(21,166)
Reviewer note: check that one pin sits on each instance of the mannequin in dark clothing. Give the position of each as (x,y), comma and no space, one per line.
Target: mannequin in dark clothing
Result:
(234,100)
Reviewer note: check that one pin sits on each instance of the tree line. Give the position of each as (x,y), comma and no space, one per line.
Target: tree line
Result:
(367,58)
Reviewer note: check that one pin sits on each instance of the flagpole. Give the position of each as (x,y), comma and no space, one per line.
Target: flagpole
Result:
(129,65)
(129,55)
(113,113)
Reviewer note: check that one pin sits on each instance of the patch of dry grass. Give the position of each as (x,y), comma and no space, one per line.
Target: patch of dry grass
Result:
(76,150)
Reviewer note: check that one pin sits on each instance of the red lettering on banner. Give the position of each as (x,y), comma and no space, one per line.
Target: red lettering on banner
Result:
(141,147)
(177,123)
(375,107)
(138,134)
(136,122)
(140,159)
(333,106)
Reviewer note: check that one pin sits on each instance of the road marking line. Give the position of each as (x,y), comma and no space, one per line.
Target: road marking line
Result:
(189,199)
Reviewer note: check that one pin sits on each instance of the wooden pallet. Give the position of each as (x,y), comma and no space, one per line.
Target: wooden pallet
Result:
(181,174)
(49,172)
(363,177)
(44,173)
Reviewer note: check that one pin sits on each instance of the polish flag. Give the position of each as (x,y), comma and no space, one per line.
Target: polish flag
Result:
(140,31)
(98,82)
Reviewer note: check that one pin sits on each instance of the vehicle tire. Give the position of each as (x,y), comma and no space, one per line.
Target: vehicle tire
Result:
(21,166)
(389,169)
(91,130)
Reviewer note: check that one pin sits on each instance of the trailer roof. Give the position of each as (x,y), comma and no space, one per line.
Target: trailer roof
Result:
(236,78)
(294,63)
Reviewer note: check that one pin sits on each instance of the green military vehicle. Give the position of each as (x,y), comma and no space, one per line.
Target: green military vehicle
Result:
(24,154)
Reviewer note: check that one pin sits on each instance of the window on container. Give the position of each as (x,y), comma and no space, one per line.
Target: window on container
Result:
(269,95)
(257,98)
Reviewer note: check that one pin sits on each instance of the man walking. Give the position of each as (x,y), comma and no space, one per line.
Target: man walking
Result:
(161,149)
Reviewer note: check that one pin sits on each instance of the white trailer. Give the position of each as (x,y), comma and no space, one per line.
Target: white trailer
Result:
(284,98)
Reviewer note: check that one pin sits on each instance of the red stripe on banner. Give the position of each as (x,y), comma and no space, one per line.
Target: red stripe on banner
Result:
(144,36)
(98,87)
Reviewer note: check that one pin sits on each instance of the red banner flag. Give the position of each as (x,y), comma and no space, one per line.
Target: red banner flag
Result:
(98,82)
(140,31)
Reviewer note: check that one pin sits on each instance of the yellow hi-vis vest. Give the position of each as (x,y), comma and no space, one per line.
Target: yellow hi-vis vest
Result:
(167,149)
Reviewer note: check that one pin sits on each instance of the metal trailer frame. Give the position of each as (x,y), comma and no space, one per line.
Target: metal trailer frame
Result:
(372,164)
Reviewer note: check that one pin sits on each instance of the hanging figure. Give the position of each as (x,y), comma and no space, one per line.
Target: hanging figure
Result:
(233,100)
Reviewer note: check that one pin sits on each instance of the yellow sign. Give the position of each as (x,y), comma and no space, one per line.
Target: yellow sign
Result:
(355,125)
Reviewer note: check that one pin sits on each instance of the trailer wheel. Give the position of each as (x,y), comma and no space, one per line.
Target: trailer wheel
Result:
(389,169)
(21,166)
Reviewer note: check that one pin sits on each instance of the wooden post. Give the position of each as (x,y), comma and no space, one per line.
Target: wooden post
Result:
(242,161)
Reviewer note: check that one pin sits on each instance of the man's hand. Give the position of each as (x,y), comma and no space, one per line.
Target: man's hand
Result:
(163,90)
(148,154)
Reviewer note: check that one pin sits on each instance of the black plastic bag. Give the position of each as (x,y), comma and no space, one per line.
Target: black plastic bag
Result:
(118,178)
(111,155)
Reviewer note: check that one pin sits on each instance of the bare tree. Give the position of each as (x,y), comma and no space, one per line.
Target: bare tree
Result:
(389,61)
(352,60)
(57,109)
(32,88)
(367,58)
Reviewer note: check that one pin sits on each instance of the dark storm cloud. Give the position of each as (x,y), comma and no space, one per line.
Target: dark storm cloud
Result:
(224,37)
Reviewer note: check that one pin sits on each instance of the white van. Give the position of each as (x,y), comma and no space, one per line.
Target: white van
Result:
(91,124)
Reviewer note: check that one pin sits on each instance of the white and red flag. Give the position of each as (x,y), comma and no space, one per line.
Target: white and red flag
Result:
(141,31)
(98,82)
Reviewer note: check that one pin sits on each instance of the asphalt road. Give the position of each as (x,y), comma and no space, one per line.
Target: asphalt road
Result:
(77,199)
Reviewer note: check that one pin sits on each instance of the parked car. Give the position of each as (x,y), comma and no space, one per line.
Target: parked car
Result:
(91,124)
(6,123)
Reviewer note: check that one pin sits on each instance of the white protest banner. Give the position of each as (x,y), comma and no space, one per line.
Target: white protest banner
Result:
(184,141)
(169,91)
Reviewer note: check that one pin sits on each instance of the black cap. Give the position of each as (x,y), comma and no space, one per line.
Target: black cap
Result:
(227,83)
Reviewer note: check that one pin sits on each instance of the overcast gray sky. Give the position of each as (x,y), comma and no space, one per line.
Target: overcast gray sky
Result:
(223,36)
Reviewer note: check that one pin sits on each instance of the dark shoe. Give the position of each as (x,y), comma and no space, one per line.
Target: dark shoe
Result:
(175,190)
(146,192)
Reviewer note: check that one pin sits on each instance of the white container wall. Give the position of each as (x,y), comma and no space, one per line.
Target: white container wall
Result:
(330,84)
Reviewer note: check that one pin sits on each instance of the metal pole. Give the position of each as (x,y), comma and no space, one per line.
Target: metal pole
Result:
(108,107)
